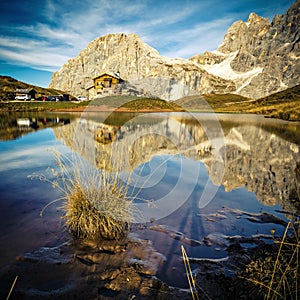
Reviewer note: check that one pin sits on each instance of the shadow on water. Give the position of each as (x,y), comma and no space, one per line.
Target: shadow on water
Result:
(172,271)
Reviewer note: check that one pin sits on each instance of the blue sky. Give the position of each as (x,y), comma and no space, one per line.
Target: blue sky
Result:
(38,36)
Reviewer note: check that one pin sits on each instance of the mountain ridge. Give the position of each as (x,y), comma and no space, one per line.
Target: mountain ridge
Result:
(136,61)
(269,50)
(255,59)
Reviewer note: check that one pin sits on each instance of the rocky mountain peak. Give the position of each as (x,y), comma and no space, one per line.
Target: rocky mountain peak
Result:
(138,64)
(265,54)
(256,20)
(255,59)
(242,33)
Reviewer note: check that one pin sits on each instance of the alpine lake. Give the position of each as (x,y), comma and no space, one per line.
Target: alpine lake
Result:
(217,185)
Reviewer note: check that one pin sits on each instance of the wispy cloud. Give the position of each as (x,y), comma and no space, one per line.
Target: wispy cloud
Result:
(62,28)
(187,42)
(48,45)
(34,53)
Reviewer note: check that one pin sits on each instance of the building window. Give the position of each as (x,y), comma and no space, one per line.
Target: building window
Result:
(107,82)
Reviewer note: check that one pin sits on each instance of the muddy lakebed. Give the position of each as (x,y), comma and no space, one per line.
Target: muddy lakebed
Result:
(220,185)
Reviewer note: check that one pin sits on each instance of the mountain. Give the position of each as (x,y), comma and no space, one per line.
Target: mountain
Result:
(263,157)
(138,64)
(255,59)
(260,57)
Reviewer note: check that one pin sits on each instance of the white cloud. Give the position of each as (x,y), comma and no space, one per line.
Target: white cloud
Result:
(36,54)
(50,11)
(194,40)
(49,45)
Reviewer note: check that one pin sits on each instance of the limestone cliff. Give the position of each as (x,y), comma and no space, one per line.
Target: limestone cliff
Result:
(138,64)
(260,57)
(255,59)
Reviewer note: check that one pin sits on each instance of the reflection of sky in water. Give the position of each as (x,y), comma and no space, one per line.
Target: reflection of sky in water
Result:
(27,151)
(181,213)
(22,199)
(189,192)
(168,181)
(174,183)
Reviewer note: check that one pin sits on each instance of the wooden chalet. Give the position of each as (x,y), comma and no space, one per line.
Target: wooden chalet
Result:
(104,85)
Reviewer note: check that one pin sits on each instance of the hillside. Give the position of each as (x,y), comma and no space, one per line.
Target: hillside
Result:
(8,85)
(208,102)
(283,105)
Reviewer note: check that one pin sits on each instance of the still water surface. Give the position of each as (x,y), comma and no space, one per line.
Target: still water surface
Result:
(203,177)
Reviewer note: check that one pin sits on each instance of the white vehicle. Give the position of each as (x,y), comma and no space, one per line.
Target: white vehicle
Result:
(23,97)
(81,98)
(23,122)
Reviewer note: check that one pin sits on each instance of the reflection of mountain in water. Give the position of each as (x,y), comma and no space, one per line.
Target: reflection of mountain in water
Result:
(256,156)
(265,163)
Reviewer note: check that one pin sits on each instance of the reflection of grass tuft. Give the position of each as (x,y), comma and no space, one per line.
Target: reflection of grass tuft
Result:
(274,274)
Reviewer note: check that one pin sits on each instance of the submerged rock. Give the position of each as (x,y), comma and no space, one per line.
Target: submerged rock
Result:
(86,270)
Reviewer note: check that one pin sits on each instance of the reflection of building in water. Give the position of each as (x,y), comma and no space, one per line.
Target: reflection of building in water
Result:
(12,127)
(263,162)
(35,123)
(23,122)
(27,124)
(106,134)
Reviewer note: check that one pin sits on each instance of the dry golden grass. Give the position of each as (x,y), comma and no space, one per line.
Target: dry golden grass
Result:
(190,277)
(284,105)
(96,202)
(275,275)
(12,287)
(98,205)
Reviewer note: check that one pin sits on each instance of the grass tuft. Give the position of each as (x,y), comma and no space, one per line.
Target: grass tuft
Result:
(97,206)
(97,203)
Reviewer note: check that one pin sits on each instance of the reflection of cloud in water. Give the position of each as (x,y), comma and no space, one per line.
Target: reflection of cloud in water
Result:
(30,150)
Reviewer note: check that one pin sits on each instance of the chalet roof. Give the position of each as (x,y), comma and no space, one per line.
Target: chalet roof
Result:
(109,74)
(24,91)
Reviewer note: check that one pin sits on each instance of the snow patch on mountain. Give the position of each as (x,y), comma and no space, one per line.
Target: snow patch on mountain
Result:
(225,71)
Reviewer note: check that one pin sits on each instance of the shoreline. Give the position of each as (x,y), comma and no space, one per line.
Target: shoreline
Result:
(73,107)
